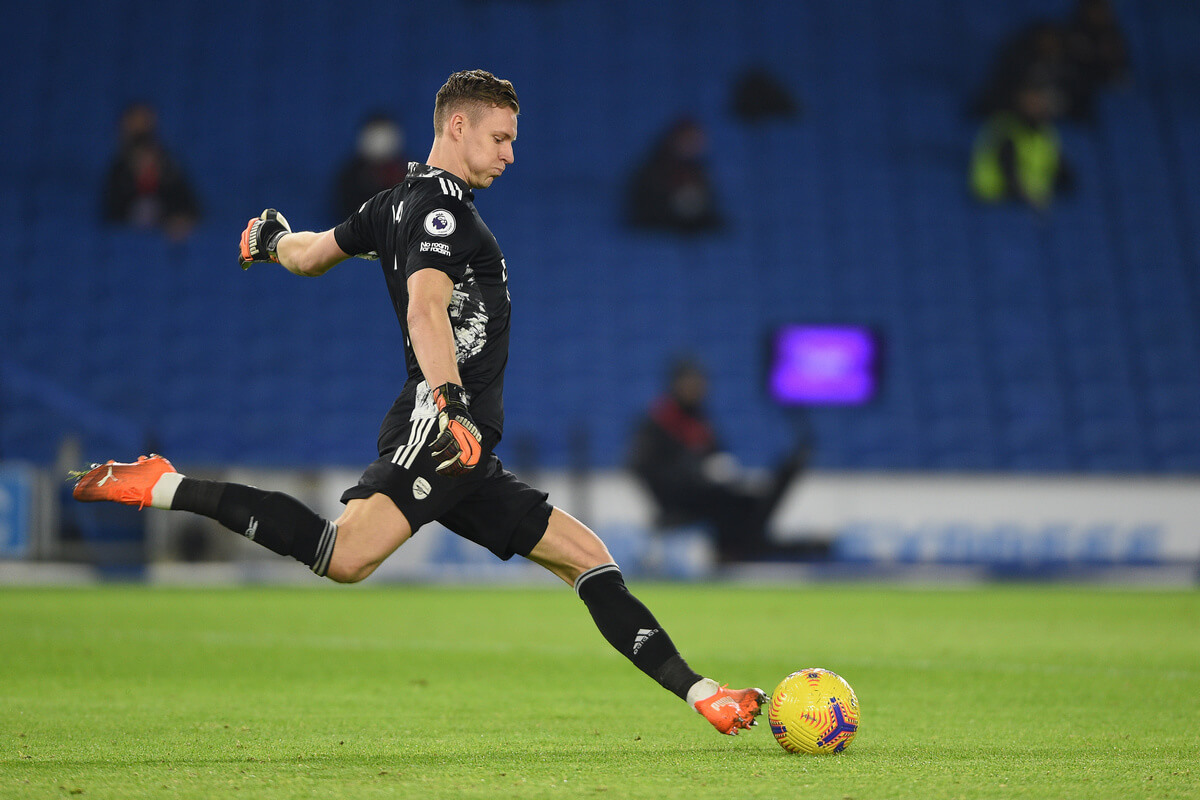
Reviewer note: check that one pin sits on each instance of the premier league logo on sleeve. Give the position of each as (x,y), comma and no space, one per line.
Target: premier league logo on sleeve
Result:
(439,222)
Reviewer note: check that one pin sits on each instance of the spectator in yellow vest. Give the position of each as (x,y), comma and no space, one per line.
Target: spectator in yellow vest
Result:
(1018,155)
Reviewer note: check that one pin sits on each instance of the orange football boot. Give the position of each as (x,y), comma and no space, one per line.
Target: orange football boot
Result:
(130,484)
(730,710)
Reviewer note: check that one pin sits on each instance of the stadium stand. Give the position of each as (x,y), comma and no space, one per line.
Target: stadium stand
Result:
(1069,343)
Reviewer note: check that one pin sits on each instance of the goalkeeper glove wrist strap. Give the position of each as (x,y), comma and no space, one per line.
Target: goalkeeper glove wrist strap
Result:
(273,242)
(450,394)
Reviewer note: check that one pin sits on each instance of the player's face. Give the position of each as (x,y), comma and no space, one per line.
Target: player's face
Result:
(488,145)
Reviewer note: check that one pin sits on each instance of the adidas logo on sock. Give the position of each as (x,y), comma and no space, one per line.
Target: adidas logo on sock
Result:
(643,635)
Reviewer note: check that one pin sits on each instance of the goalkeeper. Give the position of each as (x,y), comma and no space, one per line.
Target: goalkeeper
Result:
(449,286)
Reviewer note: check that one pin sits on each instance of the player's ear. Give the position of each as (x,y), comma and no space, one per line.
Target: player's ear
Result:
(456,125)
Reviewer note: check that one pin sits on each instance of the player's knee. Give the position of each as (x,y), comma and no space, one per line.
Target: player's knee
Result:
(349,569)
(368,532)
(569,548)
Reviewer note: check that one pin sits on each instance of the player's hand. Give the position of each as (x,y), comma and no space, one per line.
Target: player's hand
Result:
(458,445)
(261,237)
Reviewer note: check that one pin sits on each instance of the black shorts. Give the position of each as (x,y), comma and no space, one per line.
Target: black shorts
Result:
(487,505)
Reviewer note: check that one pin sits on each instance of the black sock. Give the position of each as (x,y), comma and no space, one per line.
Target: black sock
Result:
(632,629)
(277,521)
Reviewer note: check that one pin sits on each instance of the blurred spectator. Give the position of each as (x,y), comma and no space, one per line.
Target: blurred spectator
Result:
(680,461)
(1038,55)
(671,190)
(146,187)
(1095,42)
(378,163)
(758,95)
(1072,59)
(1017,154)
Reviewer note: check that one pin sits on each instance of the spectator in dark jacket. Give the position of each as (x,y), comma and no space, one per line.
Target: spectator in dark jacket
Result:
(1095,42)
(146,187)
(678,457)
(672,190)
(1038,54)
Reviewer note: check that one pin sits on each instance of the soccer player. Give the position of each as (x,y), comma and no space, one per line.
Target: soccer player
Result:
(449,286)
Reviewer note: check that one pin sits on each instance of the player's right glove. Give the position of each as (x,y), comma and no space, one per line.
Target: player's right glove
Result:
(261,237)
(458,445)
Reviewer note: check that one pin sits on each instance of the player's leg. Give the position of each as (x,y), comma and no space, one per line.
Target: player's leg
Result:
(369,530)
(574,553)
(346,550)
(277,521)
(569,548)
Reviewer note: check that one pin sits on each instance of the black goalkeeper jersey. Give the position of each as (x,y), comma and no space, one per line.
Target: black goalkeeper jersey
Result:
(429,222)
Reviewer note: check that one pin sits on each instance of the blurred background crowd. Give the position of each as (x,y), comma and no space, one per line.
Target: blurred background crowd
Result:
(1006,194)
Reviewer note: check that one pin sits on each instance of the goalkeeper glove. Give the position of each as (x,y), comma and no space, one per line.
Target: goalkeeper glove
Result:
(458,446)
(261,237)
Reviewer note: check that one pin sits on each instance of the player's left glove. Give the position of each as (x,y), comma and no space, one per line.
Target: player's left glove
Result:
(458,445)
(262,236)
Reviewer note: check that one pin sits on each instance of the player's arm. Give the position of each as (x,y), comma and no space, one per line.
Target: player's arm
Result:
(268,237)
(429,330)
(459,443)
(308,253)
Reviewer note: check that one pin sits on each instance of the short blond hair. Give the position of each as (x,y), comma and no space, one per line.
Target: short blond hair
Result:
(469,91)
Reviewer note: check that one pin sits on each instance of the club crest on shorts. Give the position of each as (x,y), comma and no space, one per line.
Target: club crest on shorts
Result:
(421,488)
(440,222)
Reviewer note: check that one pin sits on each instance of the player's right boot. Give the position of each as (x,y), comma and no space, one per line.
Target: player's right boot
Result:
(731,710)
(130,484)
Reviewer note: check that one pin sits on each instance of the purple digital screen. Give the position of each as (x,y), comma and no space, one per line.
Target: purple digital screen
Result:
(824,365)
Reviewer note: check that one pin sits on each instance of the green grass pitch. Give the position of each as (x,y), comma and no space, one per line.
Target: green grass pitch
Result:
(1012,691)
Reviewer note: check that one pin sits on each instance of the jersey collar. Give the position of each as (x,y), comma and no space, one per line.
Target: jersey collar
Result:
(418,170)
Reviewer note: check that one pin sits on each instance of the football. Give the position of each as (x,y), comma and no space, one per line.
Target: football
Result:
(813,711)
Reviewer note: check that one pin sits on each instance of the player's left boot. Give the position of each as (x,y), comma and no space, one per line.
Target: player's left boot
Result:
(731,710)
(130,484)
